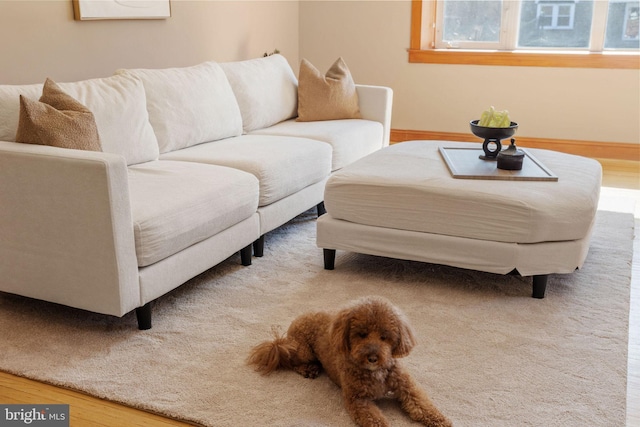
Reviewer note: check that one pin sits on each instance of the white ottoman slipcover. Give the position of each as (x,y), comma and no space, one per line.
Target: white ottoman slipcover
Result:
(402,202)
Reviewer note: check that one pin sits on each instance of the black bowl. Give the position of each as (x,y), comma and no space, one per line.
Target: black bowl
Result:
(492,133)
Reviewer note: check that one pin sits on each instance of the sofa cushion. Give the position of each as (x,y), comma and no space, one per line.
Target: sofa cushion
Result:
(177,204)
(189,106)
(10,107)
(266,90)
(408,186)
(283,165)
(118,104)
(331,96)
(58,120)
(349,139)
(120,108)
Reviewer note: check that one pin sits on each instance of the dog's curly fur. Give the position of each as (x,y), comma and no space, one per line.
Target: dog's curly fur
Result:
(358,348)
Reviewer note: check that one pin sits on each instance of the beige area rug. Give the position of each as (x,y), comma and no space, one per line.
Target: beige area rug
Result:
(487,353)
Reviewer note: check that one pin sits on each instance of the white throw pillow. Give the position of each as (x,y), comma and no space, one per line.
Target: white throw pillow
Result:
(10,107)
(189,106)
(266,90)
(119,106)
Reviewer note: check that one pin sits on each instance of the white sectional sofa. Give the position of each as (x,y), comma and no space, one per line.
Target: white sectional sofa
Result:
(197,163)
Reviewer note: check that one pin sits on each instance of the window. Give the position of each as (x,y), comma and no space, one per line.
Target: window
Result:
(555,16)
(574,33)
(554,24)
(623,31)
(469,23)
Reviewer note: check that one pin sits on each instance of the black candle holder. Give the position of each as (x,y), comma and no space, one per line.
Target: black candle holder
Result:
(492,136)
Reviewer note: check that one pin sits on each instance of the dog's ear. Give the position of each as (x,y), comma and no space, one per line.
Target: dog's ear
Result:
(340,331)
(406,339)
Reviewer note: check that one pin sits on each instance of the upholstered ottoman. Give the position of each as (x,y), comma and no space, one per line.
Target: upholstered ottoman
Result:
(403,202)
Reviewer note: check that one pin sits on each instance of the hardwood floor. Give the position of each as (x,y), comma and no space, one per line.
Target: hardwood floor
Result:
(622,183)
(84,410)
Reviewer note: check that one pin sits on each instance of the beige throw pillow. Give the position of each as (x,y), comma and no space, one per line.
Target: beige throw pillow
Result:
(57,120)
(329,97)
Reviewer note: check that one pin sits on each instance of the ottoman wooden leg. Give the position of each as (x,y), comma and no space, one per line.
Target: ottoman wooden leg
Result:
(329,258)
(320,208)
(539,285)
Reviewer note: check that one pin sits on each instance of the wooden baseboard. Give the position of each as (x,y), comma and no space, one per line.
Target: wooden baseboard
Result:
(593,149)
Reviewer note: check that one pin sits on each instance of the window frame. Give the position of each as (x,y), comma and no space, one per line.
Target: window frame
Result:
(423,15)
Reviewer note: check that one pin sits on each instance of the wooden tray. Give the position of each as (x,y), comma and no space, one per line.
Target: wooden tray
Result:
(464,163)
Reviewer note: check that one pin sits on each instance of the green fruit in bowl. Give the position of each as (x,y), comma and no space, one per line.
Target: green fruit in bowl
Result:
(494,119)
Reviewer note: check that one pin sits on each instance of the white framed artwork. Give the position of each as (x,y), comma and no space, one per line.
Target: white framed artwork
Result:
(86,10)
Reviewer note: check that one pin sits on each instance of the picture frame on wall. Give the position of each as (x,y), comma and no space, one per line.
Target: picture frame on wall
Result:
(87,10)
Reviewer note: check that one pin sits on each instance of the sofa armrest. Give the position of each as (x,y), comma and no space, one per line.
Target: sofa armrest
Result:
(375,104)
(66,233)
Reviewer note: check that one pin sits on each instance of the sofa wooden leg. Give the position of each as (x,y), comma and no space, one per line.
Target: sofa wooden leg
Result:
(143,314)
(329,258)
(321,209)
(258,247)
(539,285)
(245,255)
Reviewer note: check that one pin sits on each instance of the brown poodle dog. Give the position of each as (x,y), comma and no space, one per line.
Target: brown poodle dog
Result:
(357,347)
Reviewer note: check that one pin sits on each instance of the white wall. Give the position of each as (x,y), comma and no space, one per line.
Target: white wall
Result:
(373,37)
(41,39)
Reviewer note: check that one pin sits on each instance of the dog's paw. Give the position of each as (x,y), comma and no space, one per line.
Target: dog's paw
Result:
(311,370)
(442,422)
(427,414)
(377,423)
(374,422)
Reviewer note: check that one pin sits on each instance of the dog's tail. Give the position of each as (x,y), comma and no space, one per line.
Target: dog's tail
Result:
(272,355)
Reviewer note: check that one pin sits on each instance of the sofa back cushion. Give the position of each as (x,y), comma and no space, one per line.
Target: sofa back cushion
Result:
(120,108)
(190,105)
(10,107)
(266,90)
(58,120)
(118,104)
